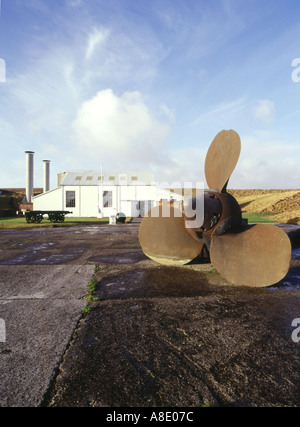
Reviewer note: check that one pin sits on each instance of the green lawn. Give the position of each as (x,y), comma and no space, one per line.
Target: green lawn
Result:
(20,222)
(255,217)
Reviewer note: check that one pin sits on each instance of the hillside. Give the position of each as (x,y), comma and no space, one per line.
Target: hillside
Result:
(282,205)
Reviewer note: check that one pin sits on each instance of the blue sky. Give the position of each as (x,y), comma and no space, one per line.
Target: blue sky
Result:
(146,85)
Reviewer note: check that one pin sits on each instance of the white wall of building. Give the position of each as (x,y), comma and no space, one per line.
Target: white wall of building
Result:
(81,192)
(52,200)
(128,199)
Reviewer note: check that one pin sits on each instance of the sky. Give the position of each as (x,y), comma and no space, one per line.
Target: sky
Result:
(146,85)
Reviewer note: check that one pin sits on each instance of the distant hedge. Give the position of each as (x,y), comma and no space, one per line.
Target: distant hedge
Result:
(8,202)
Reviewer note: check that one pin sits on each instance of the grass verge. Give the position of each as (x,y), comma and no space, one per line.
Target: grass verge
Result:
(20,222)
(90,296)
(258,217)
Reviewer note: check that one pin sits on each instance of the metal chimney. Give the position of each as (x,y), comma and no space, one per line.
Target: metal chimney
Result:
(46,175)
(29,176)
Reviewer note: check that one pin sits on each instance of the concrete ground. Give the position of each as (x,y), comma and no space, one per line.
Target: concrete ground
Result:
(159,336)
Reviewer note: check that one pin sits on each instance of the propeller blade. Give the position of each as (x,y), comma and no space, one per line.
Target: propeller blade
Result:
(258,256)
(221,159)
(164,238)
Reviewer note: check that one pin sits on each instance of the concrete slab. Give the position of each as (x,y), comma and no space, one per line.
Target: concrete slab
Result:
(159,335)
(41,306)
(230,348)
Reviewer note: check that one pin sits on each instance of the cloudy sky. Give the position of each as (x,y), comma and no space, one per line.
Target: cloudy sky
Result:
(147,84)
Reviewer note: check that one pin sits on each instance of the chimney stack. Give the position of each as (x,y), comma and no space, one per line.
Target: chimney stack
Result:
(46,175)
(29,176)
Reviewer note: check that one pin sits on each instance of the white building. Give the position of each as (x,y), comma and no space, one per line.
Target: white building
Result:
(96,194)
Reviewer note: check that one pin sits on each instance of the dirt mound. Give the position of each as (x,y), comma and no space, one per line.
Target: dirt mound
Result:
(283,205)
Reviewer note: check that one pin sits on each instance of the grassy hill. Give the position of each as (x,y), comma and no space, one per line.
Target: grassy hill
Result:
(279,205)
(275,205)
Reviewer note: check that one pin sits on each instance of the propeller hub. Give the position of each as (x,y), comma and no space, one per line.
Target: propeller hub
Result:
(221,214)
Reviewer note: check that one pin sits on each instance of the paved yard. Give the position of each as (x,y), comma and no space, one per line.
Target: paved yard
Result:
(159,336)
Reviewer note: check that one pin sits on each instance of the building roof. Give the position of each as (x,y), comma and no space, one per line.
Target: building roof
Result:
(108,178)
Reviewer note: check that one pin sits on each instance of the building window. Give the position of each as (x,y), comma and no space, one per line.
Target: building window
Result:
(134,178)
(78,178)
(111,178)
(89,178)
(107,199)
(70,199)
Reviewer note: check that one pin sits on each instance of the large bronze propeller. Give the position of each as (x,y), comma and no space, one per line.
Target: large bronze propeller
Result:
(244,254)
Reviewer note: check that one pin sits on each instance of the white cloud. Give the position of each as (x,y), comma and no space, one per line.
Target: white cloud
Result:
(186,165)
(74,3)
(265,111)
(169,113)
(267,161)
(119,131)
(97,38)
